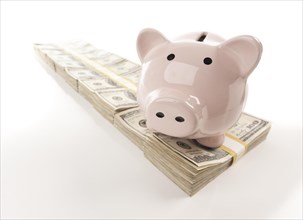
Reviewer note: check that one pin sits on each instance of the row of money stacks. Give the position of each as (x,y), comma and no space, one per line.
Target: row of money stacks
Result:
(107,95)
(109,83)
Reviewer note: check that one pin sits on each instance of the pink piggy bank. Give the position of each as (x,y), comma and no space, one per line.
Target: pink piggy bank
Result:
(195,86)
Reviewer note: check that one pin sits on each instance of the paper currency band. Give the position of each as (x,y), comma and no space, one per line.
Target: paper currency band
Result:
(234,146)
(120,80)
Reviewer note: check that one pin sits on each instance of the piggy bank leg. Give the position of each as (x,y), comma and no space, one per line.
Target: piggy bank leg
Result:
(212,142)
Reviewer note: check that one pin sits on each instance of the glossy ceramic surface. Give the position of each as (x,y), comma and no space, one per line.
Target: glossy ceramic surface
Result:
(194,86)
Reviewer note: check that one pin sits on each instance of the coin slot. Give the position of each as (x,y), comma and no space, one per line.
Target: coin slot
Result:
(202,37)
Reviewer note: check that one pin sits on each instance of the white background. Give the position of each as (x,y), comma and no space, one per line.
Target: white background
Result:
(61,159)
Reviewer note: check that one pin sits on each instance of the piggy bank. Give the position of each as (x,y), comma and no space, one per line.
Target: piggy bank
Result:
(194,87)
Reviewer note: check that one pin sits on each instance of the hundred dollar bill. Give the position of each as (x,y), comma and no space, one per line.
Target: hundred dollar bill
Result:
(74,76)
(97,54)
(81,47)
(88,50)
(108,100)
(58,60)
(118,98)
(43,50)
(78,44)
(123,67)
(60,57)
(83,73)
(109,59)
(193,151)
(134,120)
(132,123)
(133,76)
(96,84)
(65,61)
(48,51)
(45,47)
(248,128)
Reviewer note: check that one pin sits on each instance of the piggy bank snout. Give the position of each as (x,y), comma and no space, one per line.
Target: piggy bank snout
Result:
(171,116)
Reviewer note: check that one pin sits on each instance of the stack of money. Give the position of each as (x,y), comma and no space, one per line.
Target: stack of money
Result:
(109,83)
(187,163)
(60,62)
(132,124)
(106,95)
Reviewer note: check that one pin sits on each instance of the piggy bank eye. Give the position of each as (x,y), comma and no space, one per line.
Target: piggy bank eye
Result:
(207,60)
(171,57)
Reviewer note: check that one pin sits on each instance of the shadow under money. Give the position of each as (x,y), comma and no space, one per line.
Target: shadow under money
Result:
(263,181)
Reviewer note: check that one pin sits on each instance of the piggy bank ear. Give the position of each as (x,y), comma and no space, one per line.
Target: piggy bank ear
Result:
(245,50)
(147,40)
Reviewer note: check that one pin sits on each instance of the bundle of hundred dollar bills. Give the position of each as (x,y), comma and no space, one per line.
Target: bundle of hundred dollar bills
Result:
(109,83)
